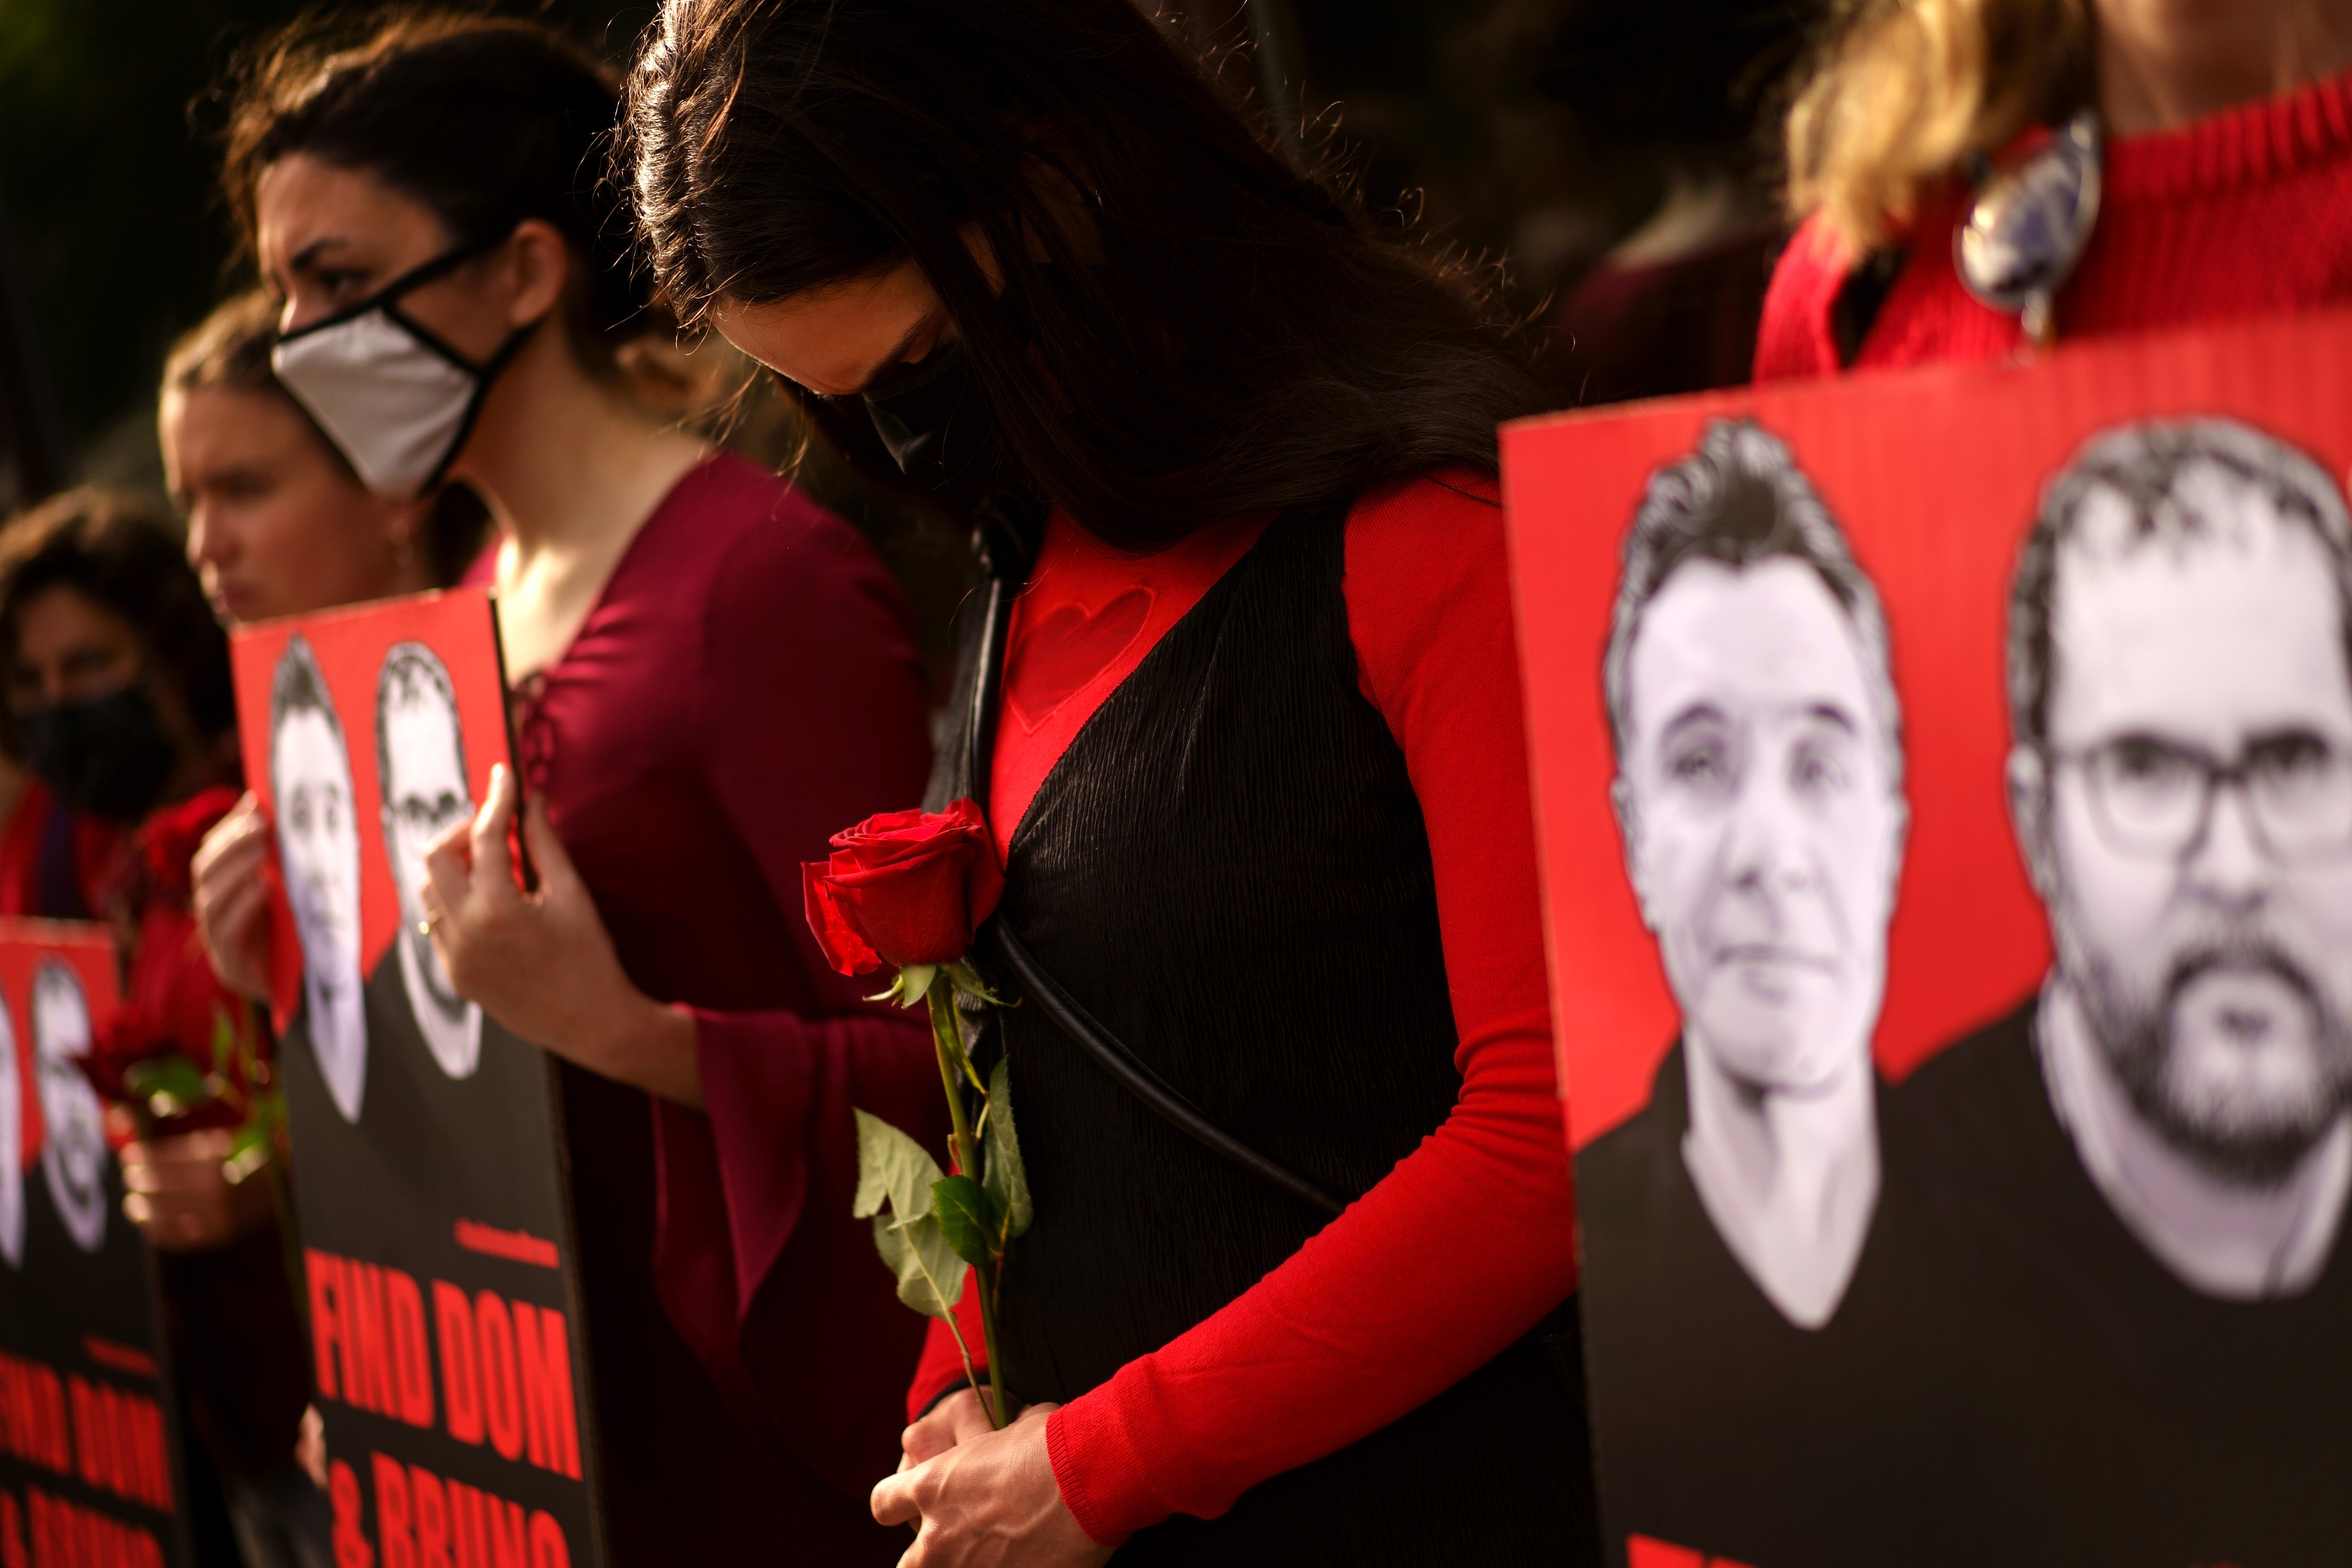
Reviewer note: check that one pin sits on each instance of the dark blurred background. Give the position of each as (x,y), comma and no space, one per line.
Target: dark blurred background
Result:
(1614,155)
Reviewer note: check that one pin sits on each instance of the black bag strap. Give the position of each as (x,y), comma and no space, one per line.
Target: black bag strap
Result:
(1007,548)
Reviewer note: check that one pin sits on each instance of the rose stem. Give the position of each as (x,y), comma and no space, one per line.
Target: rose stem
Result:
(949,1043)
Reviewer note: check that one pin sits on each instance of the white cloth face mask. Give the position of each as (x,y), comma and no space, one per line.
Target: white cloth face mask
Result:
(395,399)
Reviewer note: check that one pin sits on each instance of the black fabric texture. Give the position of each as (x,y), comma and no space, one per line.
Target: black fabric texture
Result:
(2103,1411)
(1228,869)
(1724,1427)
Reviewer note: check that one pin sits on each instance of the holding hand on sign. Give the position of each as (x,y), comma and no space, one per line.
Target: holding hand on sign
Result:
(176,1190)
(231,876)
(540,962)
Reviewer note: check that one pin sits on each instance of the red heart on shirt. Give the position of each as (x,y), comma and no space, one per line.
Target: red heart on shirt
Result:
(1065,647)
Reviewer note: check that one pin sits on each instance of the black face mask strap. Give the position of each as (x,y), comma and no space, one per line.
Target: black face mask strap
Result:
(386,299)
(484,374)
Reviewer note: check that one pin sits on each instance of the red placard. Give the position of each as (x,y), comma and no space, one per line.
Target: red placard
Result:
(90,1454)
(449,1354)
(1909,1233)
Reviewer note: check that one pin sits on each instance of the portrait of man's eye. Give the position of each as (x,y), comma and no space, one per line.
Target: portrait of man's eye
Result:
(423,814)
(2146,761)
(2292,760)
(1698,762)
(1819,765)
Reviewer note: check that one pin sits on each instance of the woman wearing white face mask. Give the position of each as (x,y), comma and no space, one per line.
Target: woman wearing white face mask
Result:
(711,675)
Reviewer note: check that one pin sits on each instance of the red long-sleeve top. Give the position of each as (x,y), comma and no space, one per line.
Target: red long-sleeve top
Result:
(2243,213)
(1467,1243)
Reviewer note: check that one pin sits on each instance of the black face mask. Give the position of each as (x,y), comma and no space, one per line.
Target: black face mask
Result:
(939,426)
(108,757)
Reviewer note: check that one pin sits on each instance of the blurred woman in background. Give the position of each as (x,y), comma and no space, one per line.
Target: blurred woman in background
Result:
(711,676)
(2222,136)
(278,524)
(120,677)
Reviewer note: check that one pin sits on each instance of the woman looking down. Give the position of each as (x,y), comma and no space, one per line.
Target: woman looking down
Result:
(1257,771)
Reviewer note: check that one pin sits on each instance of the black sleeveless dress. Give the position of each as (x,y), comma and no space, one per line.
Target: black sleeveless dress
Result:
(1228,869)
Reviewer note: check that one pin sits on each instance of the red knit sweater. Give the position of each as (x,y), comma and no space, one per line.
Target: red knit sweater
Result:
(1465,1243)
(2244,213)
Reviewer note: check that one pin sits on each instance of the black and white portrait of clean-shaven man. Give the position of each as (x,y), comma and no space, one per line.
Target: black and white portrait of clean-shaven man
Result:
(1735,1228)
(318,847)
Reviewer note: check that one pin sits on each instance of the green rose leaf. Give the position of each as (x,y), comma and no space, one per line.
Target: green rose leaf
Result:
(892,1167)
(249,1152)
(1007,1182)
(963,1214)
(170,1086)
(896,1171)
(930,1276)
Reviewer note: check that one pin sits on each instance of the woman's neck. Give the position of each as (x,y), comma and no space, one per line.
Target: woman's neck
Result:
(564,459)
(2164,63)
(571,472)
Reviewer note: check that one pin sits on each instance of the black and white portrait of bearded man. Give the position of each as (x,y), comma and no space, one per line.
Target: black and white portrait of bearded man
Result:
(2181,670)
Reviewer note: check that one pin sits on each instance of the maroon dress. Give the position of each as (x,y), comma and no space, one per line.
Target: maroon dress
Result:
(745,688)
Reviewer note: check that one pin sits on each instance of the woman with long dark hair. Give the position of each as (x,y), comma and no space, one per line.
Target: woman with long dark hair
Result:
(1242,707)
(710,674)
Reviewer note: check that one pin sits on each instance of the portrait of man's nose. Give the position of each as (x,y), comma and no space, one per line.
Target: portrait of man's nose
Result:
(1771,849)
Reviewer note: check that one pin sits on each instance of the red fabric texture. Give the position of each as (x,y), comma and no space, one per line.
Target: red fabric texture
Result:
(100,852)
(173,1001)
(745,688)
(1467,1243)
(2244,213)
(236,1334)
(1086,618)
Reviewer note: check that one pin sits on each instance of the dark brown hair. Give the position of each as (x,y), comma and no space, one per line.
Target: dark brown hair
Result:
(229,350)
(483,120)
(1246,340)
(122,553)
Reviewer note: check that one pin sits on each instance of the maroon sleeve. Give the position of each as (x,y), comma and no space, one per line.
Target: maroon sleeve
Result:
(1794,340)
(811,714)
(1467,1242)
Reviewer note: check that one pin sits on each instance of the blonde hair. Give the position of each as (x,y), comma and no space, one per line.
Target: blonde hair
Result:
(230,348)
(1906,90)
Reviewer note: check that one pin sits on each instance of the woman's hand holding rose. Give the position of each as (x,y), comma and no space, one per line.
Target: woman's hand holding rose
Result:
(990,1500)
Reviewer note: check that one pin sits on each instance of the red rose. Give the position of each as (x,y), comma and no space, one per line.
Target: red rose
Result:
(906,886)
